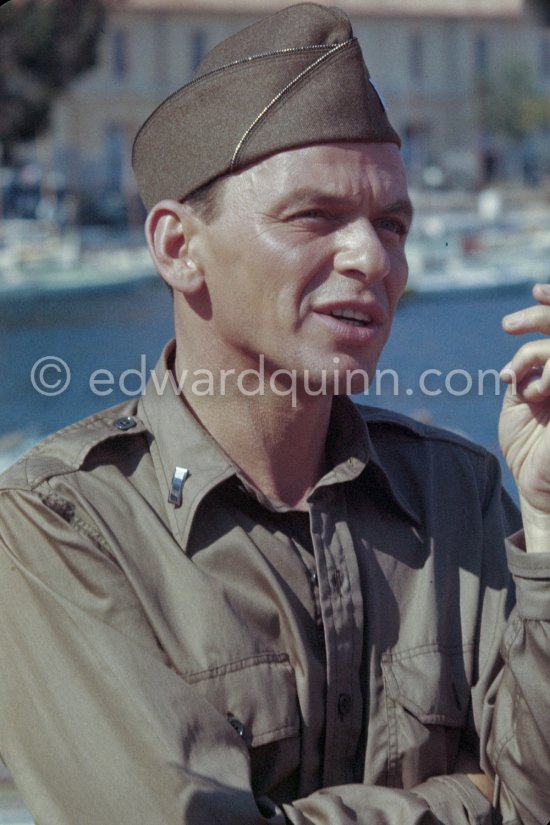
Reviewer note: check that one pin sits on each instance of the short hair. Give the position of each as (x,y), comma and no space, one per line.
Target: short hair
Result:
(206,201)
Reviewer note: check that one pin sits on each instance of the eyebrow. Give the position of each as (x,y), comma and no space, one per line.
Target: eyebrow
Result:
(403,206)
(307,194)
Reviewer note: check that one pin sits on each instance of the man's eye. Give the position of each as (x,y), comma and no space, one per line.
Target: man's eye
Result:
(311,213)
(393,225)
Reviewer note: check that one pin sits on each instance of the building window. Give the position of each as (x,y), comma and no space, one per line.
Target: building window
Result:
(198,47)
(416,57)
(545,58)
(120,54)
(481,53)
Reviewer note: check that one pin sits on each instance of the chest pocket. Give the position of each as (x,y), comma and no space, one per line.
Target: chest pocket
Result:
(427,701)
(257,695)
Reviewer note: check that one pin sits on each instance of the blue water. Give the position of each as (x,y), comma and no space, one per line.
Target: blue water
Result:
(453,332)
(126,330)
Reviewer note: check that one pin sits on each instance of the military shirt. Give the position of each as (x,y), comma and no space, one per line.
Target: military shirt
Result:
(175,647)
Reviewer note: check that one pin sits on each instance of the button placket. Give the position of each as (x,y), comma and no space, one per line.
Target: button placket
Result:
(344,704)
(341,609)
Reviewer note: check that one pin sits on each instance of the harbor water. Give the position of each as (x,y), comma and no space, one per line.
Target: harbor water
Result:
(439,365)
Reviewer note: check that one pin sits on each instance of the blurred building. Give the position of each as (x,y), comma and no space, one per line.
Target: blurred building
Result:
(427,57)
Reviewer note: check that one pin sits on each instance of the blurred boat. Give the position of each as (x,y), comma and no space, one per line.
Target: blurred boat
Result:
(39,261)
(462,252)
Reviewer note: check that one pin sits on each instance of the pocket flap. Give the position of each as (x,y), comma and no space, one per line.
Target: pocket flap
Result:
(430,682)
(257,695)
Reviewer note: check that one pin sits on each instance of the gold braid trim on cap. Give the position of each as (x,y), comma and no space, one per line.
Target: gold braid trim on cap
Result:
(279,95)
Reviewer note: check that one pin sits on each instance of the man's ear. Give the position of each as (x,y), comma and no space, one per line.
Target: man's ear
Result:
(170,228)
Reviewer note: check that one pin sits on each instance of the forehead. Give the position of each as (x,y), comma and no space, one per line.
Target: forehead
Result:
(343,170)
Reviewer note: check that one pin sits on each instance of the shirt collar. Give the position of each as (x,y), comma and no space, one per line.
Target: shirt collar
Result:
(386,458)
(352,452)
(179,441)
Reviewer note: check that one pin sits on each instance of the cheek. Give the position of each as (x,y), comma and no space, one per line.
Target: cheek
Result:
(397,280)
(289,284)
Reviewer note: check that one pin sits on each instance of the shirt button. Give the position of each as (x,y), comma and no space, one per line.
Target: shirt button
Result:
(237,726)
(125,423)
(344,704)
(313,578)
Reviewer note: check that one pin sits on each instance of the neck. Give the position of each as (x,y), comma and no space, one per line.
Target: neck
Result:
(277,441)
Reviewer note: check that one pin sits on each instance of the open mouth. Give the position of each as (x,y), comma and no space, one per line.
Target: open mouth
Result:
(354,317)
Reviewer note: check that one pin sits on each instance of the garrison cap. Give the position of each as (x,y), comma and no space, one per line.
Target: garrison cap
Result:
(293,79)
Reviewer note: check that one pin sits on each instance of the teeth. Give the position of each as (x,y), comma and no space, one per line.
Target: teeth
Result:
(353,315)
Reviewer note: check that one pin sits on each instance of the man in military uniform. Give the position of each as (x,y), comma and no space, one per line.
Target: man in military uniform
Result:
(259,603)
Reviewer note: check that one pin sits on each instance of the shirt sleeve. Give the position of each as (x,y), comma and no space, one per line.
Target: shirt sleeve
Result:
(96,727)
(519,742)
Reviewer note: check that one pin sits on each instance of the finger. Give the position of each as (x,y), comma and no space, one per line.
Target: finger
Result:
(528,389)
(531,319)
(533,354)
(541,292)
(543,387)
(528,373)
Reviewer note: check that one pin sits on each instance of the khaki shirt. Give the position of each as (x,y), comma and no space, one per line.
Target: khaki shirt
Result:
(224,659)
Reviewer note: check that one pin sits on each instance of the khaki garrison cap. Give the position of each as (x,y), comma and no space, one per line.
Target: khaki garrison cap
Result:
(293,79)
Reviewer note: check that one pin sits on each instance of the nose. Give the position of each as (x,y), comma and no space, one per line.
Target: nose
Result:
(361,252)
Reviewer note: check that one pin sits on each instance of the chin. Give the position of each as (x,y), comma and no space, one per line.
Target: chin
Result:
(357,382)
(340,378)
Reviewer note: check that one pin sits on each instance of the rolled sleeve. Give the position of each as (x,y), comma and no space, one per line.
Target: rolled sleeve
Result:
(443,800)
(455,798)
(519,743)
(531,572)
